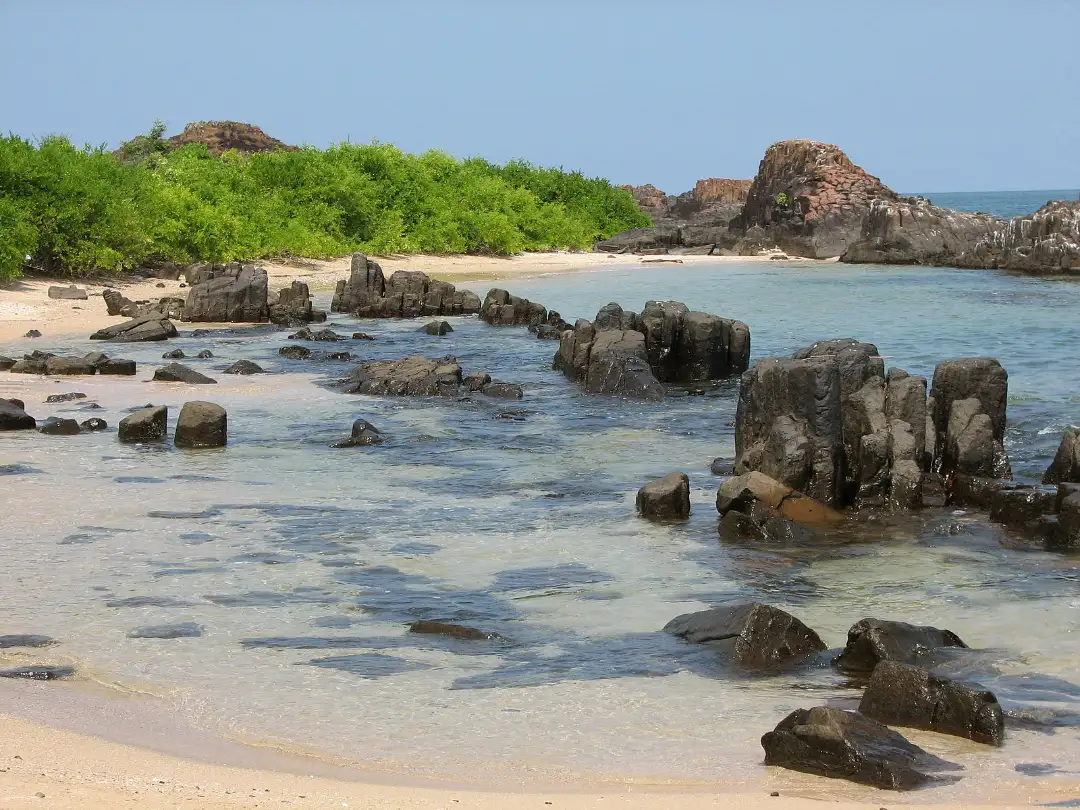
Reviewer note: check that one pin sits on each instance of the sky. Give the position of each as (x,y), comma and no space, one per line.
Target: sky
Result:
(963,95)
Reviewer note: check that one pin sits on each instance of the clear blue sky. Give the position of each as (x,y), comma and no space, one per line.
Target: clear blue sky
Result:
(931,95)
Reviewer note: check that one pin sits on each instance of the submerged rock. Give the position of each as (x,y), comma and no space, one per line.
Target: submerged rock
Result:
(295,352)
(846,745)
(903,695)
(93,425)
(244,367)
(764,636)
(168,631)
(7,642)
(437,328)
(666,498)
(175,354)
(871,641)
(364,434)
(39,672)
(503,390)
(412,376)
(434,628)
(55,398)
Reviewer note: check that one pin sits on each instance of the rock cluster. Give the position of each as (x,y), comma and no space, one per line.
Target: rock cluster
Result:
(292,306)
(632,354)
(1047,241)
(227,293)
(500,308)
(367,293)
(38,362)
(419,377)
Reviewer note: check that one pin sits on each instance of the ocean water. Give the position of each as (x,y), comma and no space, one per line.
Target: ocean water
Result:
(1006,204)
(303,565)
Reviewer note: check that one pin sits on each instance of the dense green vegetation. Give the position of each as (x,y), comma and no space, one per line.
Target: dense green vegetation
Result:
(86,210)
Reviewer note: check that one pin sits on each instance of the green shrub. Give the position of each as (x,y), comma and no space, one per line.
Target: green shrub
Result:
(84,210)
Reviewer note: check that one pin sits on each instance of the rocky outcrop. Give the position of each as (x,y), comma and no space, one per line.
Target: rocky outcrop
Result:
(1065,468)
(912,230)
(177,372)
(227,293)
(666,498)
(221,136)
(143,328)
(146,425)
(872,641)
(13,417)
(500,308)
(200,425)
(292,306)
(412,376)
(93,363)
(761,636)
(903,695)
(1047,241)
(758,496)
(846,745)
(367,293)
(694,222)
(626,353)
(808,199)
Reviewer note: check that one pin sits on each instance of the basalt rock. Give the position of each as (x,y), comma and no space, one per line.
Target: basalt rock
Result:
(244,367)
(503,390)
(69,293)
(904,695)
(666,498)
(618,364)
(175,354)
(146,425)
(205,354)
(6,363)
(871,641)
(117,367)
(93,425)
(295,352)
(845,745)
(55,398)
(175,372)
(1065,468)
(292,306)
(137,330)
(69,366)
(761,636)
(118,304)
(1047,241)
(200,425)
(230,293)
(13,417)
(751,492)
(364,434)
(412,376)
(437,328)
(500,308)
(368,293)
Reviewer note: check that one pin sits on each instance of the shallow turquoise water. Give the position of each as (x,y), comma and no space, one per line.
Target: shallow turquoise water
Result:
(304,564)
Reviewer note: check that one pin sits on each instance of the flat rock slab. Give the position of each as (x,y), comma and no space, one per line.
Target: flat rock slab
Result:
(7,642)
(904,695)
(177,372)
(411,376)
(69,293)
(434,628)
(168,631)
(764,636)
(137,330)
(846,745)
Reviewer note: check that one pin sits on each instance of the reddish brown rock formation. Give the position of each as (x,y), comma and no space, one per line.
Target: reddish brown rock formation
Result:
(649,198)
(721,190)
(221,136)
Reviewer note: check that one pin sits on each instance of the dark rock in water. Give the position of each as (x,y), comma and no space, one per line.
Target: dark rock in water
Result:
(69,293)
(146,425)
(763,497)
(69,366)
(7,642)
(326,335)
(1068,535)
(205,354)
(54,426)
(33,333)
(169,631)
(476,381)
(93,425)
(175,354)
(175,372)
(18,403)
(244,367)
(30,365)
(137,330)
(413,376)
(232,293)
(1022,506)
(764,637)
(503,390)
(437,328)
(362,336)
(42,672)
(90,406)
(546,331)
(364,434)
(201,424)
(903,695)
(117,367)
(979,378)
(666,498)
(434,628)
(1065,468)
(295,352)
(13,417)
(292,306)
(973,490)
(406,294)
(54,398)
(500,308)
(616,362)
(722,466)
(341,356)
(871,641)
(6,363)
(846,745)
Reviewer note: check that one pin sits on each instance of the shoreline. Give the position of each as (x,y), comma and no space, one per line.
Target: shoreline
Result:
(25,304)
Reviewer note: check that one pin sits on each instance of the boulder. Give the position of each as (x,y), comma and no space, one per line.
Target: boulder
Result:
(69,293)
(871,641)
(117,367)
(366,282)
(93,425)
(1047,241)
(116,303)
(232,293)
(904,695)
(201,424)
(69,366)
(175,354)
(362,336)
(13,417)
(55,426)
(437,328)
(979,378)
(1021,506)
(205,354)
(476,381)
(364,434)
(500,308)
(1065,468)
(149,424)
(6,363)
(618,364)
(763,636)
(295,352)
(740,492)
(32,333)
(503,390)
(1068,535)
(137,330)
(244,367)
(292,306)
(412,376)
(55,398)
(176,372)
(666,498)
(845,745)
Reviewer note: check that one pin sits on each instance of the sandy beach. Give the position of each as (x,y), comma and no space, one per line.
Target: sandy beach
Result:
(25,304)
